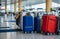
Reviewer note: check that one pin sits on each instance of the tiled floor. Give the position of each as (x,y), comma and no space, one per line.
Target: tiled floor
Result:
(19,35)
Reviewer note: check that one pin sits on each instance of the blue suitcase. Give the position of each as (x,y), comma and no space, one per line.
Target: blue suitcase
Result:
(28,24)
(37,23)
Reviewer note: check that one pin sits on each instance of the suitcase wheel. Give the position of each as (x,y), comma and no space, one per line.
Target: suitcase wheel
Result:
(46,33)
(58,33)
(38,32)
(27,32)
(49,33)
(24,32)
(32,32)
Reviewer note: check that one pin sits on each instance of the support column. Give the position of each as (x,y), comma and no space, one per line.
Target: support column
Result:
(14,6)
(6,6)
(19,8)
(48,5)
(19,5)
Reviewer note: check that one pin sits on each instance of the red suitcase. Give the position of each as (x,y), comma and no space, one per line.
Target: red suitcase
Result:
(49,23)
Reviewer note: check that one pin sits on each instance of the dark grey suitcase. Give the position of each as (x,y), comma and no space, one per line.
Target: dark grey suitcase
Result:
(58,25)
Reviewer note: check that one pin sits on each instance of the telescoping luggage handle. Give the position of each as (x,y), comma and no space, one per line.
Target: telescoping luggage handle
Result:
(39,11)
(28,14)
(53,12)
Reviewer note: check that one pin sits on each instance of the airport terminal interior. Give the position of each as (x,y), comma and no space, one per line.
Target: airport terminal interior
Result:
(29,19)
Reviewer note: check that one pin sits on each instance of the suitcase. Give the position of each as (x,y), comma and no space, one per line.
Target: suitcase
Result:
(28,24)
(37,23)
(58,26)
(49,23)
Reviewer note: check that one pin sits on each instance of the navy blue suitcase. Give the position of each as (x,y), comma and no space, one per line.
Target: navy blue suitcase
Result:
(28,24)
(37,23)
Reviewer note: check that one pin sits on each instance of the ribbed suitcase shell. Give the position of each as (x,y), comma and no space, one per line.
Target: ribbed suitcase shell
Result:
(28,24)
(58,25)
(49,23)
(37,24)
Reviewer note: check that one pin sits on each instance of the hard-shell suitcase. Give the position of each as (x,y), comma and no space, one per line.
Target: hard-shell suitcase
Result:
(49,23)
(37,23)
(28,24)
(58,26)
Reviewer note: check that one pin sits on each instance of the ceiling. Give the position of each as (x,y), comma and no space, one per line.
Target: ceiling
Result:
(30,2)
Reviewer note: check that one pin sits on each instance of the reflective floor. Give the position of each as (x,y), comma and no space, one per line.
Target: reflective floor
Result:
(6,21)
(19,35)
